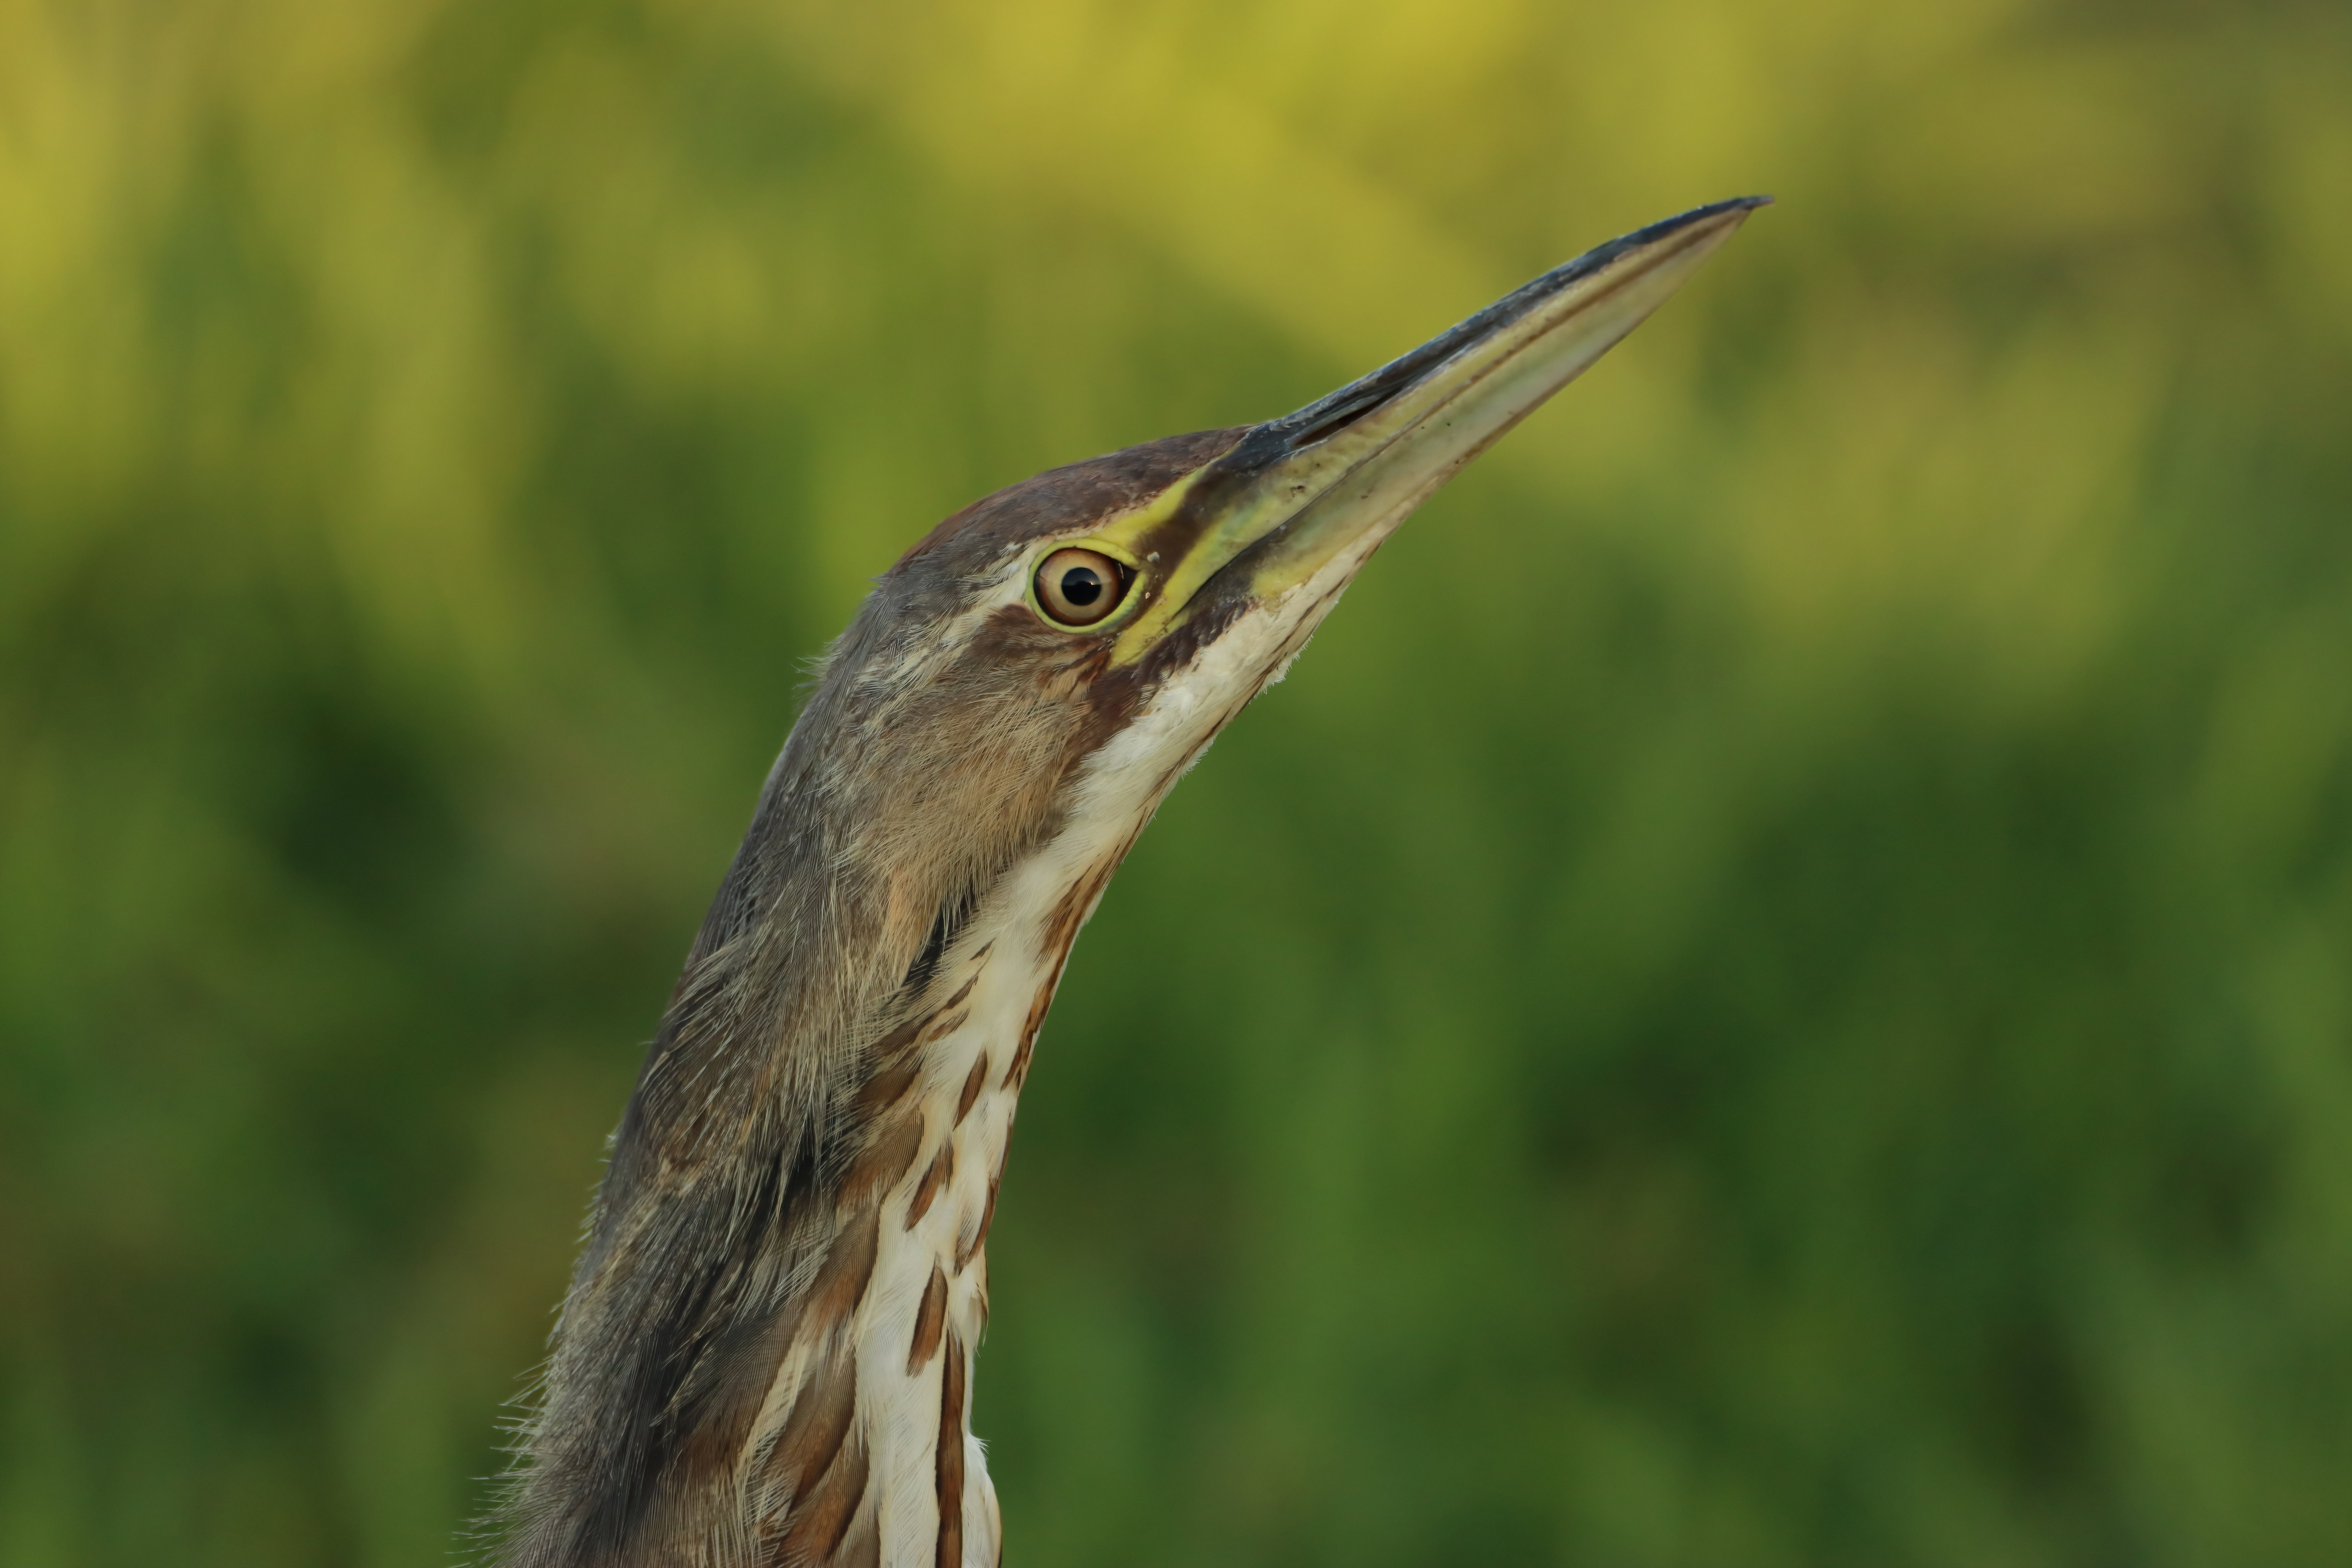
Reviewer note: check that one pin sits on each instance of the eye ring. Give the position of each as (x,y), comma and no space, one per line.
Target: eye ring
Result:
(1077,588)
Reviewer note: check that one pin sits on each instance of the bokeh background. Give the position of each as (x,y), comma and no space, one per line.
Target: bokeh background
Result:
(1775,989)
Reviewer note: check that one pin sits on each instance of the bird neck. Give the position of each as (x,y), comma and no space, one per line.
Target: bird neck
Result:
(767,1352)
(945,1085)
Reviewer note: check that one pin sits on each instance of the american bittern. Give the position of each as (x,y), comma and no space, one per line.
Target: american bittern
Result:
(765,1357)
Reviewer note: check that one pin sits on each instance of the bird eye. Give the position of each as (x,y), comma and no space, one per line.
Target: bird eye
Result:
(1079,588)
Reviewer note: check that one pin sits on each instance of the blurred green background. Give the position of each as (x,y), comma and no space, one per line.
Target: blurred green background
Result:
(1776,989)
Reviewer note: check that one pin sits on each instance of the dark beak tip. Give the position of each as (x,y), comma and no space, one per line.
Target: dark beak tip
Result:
(1329,415)
(1663,227)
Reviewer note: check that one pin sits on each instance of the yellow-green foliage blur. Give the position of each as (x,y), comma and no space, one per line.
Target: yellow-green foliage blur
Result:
(1776,989)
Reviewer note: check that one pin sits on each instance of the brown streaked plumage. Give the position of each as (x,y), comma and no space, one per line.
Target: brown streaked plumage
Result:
(935,1176)
(948,1461)
(764,1358)
(929,1319)
(972,1080)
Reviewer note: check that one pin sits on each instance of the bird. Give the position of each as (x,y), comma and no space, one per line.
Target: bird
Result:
(764,1356)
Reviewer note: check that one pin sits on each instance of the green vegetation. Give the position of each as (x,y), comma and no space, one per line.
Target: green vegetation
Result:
(1776,989)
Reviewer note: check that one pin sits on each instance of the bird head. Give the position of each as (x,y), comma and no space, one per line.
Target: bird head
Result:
(1033,675)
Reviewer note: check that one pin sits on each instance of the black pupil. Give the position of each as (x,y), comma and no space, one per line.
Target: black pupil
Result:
(1082,586)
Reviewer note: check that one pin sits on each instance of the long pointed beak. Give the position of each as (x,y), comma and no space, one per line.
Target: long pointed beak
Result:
(1336,478)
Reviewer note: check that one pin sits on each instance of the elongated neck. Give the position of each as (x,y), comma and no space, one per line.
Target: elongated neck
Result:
(766,1353)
